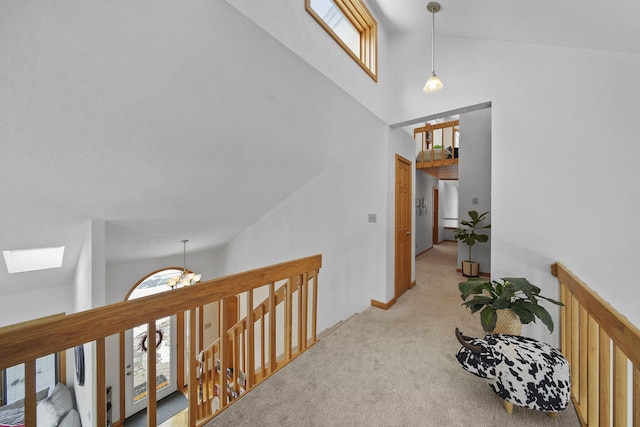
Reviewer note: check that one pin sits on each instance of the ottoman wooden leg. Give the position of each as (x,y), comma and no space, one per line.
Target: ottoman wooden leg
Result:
(552,415)
(508,406)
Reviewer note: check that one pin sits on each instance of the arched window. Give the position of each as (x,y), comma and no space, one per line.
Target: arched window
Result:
(155,283)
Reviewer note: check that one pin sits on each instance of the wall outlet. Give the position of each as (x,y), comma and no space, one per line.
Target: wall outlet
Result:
(373,218)
(475,201)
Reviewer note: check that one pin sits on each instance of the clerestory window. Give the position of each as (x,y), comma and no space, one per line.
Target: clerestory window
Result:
(352,26)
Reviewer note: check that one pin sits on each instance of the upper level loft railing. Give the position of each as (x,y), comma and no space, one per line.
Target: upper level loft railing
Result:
(436,144)
(25,342)
(251,353)
(599,344)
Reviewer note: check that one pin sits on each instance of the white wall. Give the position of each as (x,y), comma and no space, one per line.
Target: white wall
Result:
(474,180)
(291,25)
(329,216)
(558,134)
(90,291)
(23,306)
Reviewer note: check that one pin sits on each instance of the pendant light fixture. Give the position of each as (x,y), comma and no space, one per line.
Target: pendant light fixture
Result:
(433,84)
(184,279)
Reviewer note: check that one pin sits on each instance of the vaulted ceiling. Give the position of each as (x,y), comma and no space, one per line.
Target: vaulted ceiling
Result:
(105,114)
(611,26)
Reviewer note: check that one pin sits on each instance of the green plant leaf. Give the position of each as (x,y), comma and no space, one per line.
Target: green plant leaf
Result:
(488,318)
(478,302)
(472,287)
(551,300)
(543,315)
(501,304)
(522,309)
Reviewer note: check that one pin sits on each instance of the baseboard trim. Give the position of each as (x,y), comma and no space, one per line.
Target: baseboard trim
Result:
(383,305)
(412,284)
(482,273)
(424,252)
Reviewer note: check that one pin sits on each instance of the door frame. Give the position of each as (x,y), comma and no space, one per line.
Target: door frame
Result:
(435,218)
(178,330)
(403,231)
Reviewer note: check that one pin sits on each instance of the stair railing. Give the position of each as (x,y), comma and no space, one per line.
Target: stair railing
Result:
(274,332)
(599,344)
(26,342)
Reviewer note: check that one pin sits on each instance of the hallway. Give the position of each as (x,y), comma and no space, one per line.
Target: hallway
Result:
(389,368)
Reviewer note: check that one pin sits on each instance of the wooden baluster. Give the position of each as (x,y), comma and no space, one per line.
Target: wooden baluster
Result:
(575,349)
(224,344)
(263,360)
(272,328)
(582,350)
(604,388)
(180,327)
(193,369)
(30,414)
(619,388)
(200,343)
(288,321)
(636,395)
(302,313)
(568,331)
(563,319)
(204,385)
(315,307)
(592,376)
(250,374)
(121,398)
(151,374)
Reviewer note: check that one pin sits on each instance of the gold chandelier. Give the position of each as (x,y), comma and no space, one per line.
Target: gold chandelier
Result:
(185,278)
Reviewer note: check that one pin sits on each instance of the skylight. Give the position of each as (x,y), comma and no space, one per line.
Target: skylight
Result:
(352,26)
(21,260)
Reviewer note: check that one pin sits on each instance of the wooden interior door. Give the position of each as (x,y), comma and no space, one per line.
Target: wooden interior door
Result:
(436,217)
(403,226)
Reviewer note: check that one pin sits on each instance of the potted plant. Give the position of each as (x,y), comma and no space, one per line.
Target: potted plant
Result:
(469,234)
(514,293)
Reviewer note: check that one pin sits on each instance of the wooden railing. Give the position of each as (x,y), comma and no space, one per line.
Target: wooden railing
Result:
(25,342)
(427,140)
(600,344)
(229,368)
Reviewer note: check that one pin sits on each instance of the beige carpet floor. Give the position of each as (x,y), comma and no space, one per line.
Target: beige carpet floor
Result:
(389,368)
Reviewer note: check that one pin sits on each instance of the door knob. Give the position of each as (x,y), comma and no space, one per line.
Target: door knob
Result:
(408,233)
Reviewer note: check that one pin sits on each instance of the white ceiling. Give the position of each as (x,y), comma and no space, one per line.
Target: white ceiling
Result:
(587,24)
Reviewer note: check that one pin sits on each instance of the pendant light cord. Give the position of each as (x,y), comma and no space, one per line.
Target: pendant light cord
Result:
(433,41)
(184,256)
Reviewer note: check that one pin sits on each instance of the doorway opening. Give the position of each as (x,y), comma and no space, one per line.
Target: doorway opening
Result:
(167,337)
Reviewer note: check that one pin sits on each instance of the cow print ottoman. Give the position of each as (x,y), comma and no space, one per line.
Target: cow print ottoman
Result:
(522,371)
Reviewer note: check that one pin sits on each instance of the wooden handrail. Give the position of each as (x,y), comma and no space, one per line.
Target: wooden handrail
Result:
(30,341)
(599,343)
